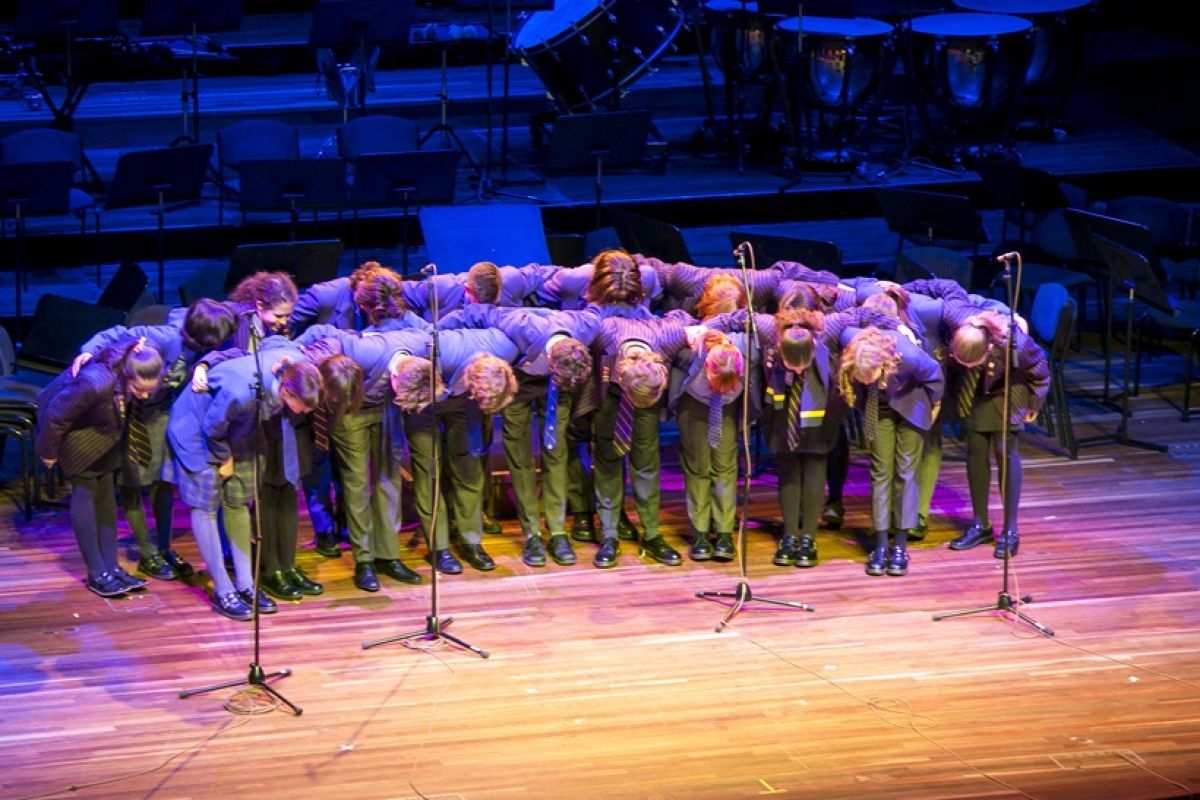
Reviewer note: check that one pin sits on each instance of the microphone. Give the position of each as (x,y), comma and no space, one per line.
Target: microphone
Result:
(1006,257)
(429,269)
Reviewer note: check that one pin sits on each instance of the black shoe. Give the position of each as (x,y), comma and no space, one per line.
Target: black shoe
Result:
(971,537)
(806,552)
(329,545)
(833,514)
(560,550)
(606,556)
(627,530)
(701,548)
(106,585)
(477,557)
(154,566)
(182,568)
(724,550)
(233,606)
(132,582)
(1012,540)
(877,561)
(445,562)
(534,554)
(920,532)
(490,526)
(277,585)
(897,562)
(305,584)
(365,578)
(265,604)
(397,571)
(658,549)
(785,554)
(583,528)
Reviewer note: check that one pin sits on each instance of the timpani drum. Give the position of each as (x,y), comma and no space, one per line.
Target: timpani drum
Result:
(740,39)
(588,52)
(834,63)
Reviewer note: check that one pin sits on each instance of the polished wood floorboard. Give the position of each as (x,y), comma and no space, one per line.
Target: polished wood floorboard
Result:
(613,684)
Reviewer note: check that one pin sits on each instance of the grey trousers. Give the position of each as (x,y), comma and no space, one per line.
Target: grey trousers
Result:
(581,495)
(371,487)
(608,477)
(895,453)
(709,474)
(464,471)
(801,491)
(517,435)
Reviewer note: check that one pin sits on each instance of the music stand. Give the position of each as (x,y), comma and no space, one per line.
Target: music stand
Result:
(1133,271)
(292,185)
(46,23)
(358,23)
(37,188)
(504,233)
(191,18)
(156,177)
(931,218)
(308,262)
(769,249)
(607,138)
(415,177)
(1026,189)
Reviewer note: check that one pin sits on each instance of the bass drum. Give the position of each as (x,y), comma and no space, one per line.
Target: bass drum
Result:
(588,53)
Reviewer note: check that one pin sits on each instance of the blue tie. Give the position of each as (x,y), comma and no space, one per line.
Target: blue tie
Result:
(291,462)
(395,442)
(550,423)
(475,421)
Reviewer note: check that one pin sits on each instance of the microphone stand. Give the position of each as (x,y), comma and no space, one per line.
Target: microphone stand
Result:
(1005,601)
(742,593)
(435,625)
(256,677)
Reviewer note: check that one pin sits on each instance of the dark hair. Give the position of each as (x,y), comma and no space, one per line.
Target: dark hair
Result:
(485,280)
(341,386)
(302,380)
(616,279)
(208,323)
(378,295)
(267,289)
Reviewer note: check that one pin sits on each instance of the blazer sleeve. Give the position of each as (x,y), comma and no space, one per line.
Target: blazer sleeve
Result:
(1031,360)
(306,311)
(72,403)
(226,407)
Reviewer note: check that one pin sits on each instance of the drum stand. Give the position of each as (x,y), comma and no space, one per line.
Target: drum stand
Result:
(445,128)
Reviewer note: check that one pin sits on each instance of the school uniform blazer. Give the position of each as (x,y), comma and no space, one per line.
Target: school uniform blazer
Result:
(78,420)
(328,302)
(458,348)
(565,288)
(529,329)
(167,340)
(917,386)
(373,351)
(682,283)
(516,283)
(206,428)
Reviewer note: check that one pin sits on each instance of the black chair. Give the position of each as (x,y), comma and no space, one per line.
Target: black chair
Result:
(1051,320)
(650,237)
(377,133)
(58,328)
(127,287)
(935,262)
(250,140)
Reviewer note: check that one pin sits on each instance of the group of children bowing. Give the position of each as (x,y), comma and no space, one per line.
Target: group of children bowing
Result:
(335,394)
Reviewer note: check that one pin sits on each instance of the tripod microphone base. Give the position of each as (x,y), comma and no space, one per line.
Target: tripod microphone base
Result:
(434,629)
(256,678)
(1004,602)
(742,595)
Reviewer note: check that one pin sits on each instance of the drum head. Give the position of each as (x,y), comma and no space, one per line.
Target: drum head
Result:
(726,6)
(544,26)
(837,27)
(970,25)
(1022,7)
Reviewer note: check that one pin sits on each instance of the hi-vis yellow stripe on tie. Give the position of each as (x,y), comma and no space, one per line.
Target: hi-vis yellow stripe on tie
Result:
(779,400)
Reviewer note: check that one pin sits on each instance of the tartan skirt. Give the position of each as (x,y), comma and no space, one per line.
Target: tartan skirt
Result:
(205,490)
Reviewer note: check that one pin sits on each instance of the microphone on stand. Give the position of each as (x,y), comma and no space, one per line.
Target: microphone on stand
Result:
(429,269)
(1005,258)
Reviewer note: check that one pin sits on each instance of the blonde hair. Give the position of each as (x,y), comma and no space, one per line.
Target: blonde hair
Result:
(868,351)
(570,362)
(970,342)
(490,382)
(723,366)
(642,375)
(883,303)
(722,294)
(410,382)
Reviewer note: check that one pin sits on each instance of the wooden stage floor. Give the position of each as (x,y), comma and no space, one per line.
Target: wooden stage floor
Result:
(612,684)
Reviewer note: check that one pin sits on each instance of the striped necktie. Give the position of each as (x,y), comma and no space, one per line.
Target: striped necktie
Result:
(137,435)
(871,415)
(715,410)
(320,428)
(623,429)
(793,411)
(550,422)
(966,392)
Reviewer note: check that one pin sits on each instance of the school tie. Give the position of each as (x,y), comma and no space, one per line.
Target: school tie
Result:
(137,435)
(966,392)
(793,412)
(178,372)
(550,422)
(291,461)
(715,409)
(320,428)
(623,430)
(871,415)
(476,419)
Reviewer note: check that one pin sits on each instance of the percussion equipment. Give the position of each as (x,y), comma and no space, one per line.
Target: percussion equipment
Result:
(587,53)
(836,64)
(971,65)
(1059,30)
(740,39)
